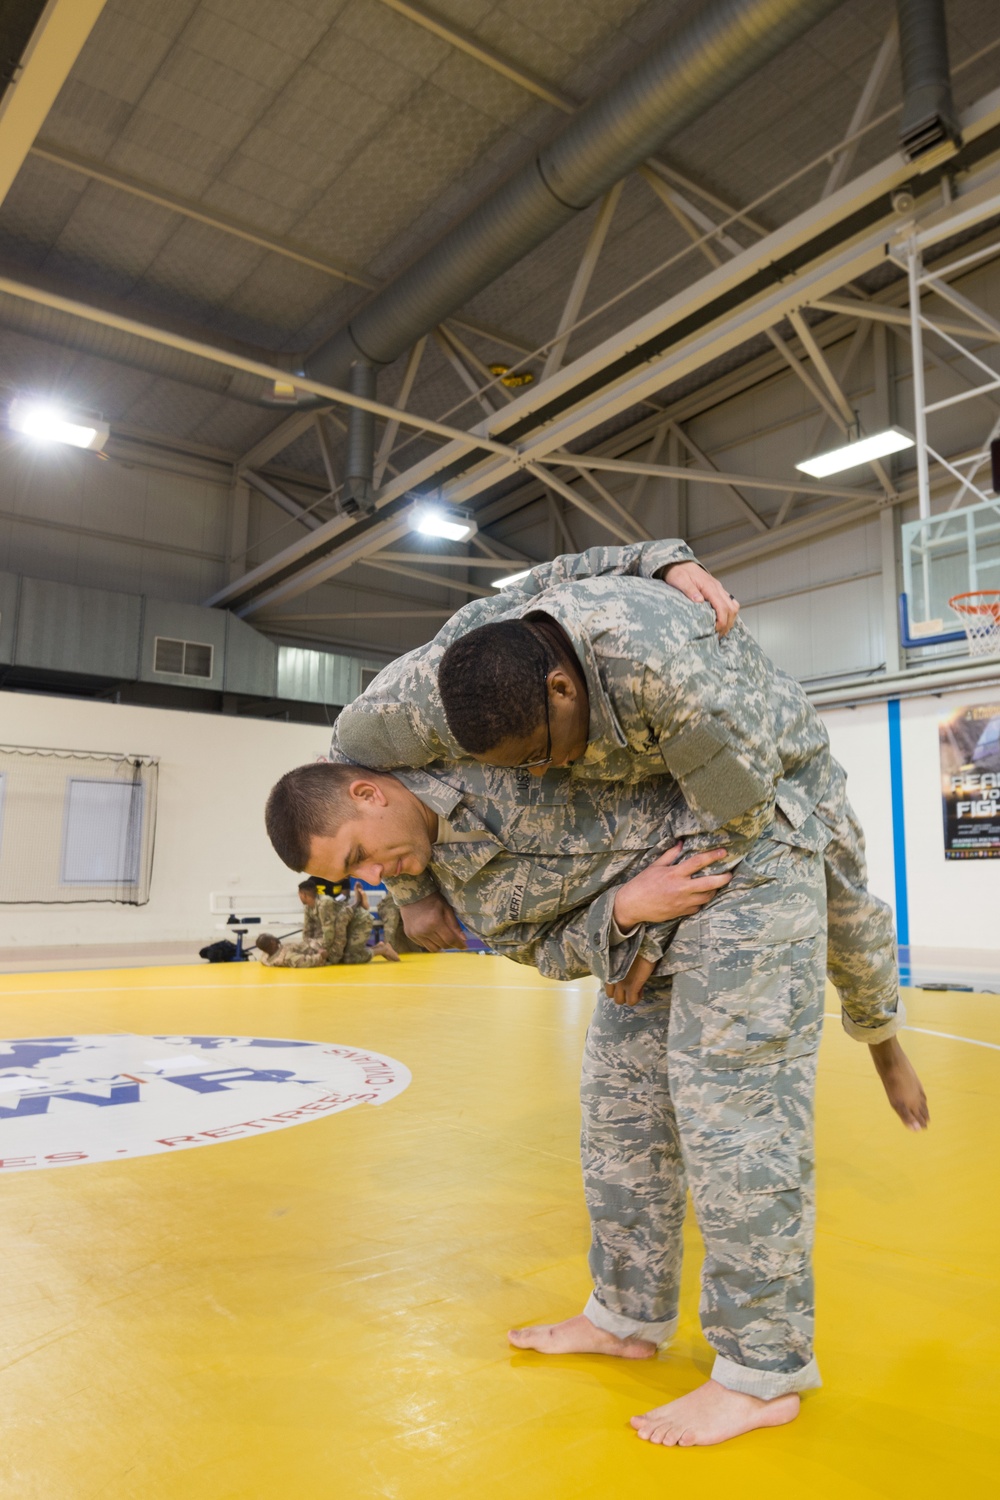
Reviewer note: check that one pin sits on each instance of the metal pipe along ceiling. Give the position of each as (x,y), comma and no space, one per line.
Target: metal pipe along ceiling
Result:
(928,111)
(718,48)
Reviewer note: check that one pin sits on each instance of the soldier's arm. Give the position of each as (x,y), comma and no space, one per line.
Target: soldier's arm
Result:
(582,942)
(399,720)
(707,708)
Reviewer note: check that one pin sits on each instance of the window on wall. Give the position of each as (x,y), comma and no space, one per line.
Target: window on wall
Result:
(103,834)
(182,658)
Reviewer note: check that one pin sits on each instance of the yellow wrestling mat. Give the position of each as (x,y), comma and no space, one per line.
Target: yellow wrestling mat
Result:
(319,1310)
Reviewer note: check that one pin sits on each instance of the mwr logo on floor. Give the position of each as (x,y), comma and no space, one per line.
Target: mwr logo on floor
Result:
(71,1099)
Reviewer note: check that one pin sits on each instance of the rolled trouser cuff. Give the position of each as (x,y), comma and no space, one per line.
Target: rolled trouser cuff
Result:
(629,1328)
(875,1034)
(765,1384)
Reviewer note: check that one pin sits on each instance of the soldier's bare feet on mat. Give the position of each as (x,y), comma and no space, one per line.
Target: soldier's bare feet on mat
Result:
(578,1336)
(712,1414)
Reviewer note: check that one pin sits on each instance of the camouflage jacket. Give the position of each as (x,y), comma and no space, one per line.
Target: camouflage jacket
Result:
(736,737)
(296,955)
(399,718)
(538,862)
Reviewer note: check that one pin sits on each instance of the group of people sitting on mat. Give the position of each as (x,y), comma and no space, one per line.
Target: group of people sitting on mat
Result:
(337,929)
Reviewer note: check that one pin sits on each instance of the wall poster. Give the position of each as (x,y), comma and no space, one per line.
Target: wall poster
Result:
(970,782)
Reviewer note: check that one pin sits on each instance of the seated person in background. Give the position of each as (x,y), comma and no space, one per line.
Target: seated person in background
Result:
(307,954)
(393,930)
(340,925)
(315,898)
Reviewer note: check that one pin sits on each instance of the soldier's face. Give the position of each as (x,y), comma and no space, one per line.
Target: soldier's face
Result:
(387,832)
(559,741)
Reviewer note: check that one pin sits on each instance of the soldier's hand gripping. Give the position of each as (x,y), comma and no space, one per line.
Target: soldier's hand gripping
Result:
(903,1088)
(629,990)
(432,924)
(669,888)
(697,584)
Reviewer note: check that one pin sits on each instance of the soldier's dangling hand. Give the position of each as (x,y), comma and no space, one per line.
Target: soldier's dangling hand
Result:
(902,1086)
(697,584)
(670,887)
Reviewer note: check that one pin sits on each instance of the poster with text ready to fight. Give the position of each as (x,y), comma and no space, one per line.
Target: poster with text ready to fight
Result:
(970,782)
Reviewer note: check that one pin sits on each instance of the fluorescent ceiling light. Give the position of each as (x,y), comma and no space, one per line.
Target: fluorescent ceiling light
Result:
(52,424)
(504,583)
(455,527)
(892,440)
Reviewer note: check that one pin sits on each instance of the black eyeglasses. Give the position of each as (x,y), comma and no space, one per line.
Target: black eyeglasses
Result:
(526,765)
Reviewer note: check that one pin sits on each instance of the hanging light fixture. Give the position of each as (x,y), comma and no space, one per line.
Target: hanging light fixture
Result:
(859,451)
(437,520)
(49,423)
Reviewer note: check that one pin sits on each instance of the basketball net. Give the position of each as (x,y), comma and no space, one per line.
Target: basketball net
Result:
(979,612)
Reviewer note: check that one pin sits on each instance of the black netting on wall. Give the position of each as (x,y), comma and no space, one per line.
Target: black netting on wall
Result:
(75,825)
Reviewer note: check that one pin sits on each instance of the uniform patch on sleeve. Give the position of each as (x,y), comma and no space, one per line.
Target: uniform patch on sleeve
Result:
(382,738)
(713,778)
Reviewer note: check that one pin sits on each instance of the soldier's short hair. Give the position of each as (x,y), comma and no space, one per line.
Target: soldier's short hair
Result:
(493,684)
(309,802)
(268,943)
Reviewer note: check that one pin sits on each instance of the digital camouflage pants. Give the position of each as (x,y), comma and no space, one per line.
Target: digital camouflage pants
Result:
(346,931)
(708,1085)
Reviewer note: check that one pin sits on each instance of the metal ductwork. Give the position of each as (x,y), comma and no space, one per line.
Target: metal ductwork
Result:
(717,49)
(359,488)
(929,117)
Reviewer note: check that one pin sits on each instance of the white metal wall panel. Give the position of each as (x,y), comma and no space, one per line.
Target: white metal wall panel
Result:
(251,660)
(317,676)
(61,628)
(9,583)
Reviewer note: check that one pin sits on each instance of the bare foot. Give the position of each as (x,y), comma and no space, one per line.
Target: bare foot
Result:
(386,950)
(578,1336)
(712,1414)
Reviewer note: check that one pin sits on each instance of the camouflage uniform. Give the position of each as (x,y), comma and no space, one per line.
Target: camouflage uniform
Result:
(668,697)
(312,924)
(709,1081)
(306,954)
(346,930)
(392,926)
(705,1084)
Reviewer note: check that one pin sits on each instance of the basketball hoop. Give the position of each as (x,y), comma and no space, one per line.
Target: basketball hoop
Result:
(979,612)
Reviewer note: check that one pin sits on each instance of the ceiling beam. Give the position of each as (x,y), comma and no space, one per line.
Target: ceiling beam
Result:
(391,429)
(880,312)
(286,433)
(374,560)
(581,281)
(288,249)
(48,59)
(278,497)
(443,560)
(266,372)
(863,110)
(697,476)
(639,361)
(704,463)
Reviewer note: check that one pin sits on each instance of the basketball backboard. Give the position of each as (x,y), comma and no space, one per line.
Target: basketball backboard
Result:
(945,555)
